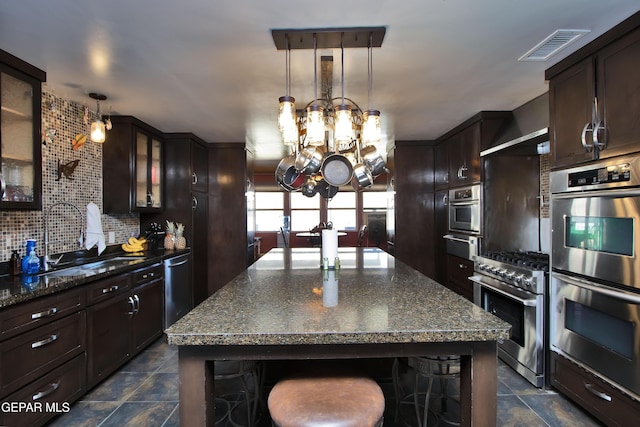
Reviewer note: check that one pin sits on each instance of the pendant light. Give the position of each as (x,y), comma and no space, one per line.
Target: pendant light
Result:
(315,112)
(343,127)
(287,111)
(371,130)
(98,131)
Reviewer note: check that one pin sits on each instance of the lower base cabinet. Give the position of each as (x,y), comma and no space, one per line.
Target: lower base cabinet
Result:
(597,397)
(459,270)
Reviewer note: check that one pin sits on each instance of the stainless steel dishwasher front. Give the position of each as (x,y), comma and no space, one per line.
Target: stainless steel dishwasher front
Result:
(178,288)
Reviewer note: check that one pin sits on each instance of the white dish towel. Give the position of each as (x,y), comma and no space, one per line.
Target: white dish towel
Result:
(94,229)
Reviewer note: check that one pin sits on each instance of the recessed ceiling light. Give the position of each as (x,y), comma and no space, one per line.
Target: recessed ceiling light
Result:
(548,47)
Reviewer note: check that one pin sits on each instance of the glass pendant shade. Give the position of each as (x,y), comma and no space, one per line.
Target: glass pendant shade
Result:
(371,131)
(343,131)
(290,135)
(315,125)
(97,131)
(287,112)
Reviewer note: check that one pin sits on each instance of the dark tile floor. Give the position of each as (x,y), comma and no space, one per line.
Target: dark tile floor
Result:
(145,393)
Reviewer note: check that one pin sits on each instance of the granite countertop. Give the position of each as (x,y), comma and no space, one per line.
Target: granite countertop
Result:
(17,289)
(286,298)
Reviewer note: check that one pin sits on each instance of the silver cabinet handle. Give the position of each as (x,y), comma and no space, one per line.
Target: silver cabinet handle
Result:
(583,137)
(445,199)
(462,171)
(462,266)
(45,313)
(136,299)
(132,310)
(194,178)
(45,341)
(446,177)
(52,387)
(177,264)
(148,275)
(596,141)
(110,289)
(194,203)
(601,395)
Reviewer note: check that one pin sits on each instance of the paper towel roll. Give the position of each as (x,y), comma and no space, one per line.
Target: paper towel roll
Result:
(330,246)
(329,289)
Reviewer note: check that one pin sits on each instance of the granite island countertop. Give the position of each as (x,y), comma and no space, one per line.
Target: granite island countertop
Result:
(21,288)
(286,298)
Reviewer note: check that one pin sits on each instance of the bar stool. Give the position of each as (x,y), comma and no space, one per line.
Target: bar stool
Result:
(346,401)
(250,375)
(445,369)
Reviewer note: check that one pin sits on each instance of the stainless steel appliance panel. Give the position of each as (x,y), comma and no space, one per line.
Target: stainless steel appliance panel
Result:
(178,288)
(525,312)
(594,234)
(465,209)
(597,327)
(463,246)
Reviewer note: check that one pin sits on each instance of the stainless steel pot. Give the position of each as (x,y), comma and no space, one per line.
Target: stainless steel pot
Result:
(287,176)
(373,159)
(362,174)
(337,170)
(309,160)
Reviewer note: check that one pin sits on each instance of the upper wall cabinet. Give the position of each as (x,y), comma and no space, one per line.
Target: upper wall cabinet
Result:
(20,131)
(594,104)
(132,167)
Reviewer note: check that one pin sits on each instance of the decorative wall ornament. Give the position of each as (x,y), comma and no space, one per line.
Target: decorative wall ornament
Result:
(67,169)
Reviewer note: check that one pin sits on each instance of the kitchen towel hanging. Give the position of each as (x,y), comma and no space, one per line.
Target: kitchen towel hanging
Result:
(95,236)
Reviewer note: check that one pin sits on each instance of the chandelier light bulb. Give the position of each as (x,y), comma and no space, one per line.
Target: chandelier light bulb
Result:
(371,131)
(98,133)
(343,132)
(287,113)
(315,125)
(290,135)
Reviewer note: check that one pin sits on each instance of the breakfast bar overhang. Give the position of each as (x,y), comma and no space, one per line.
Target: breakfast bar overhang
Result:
(285,307)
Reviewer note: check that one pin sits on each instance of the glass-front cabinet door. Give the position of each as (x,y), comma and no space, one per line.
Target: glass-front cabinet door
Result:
(20,150)
(148,172)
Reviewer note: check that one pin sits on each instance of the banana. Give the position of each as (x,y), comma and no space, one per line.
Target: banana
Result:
(131,248)
(136,242)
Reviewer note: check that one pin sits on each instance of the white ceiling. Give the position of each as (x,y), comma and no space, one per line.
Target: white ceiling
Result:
(211,67)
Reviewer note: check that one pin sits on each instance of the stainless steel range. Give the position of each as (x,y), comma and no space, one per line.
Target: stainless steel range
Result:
(513,286)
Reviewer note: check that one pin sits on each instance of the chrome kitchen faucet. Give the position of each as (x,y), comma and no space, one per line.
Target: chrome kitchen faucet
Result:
(45,220)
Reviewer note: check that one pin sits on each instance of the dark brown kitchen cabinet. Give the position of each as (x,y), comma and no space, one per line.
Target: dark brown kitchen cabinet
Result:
(20,134)
(441,227)
(186,184)
(594,104)
(459,270)
(42,354)
(133,165)
(608,404)
(414,205)
(441,167)
(125,321)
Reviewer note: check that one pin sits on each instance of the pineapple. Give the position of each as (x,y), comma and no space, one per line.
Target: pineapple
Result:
(181,242)
(169,237)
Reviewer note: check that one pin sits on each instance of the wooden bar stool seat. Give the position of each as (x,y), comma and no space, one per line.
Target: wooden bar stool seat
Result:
(338,401)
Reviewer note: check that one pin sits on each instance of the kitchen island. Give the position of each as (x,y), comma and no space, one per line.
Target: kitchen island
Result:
(285,307)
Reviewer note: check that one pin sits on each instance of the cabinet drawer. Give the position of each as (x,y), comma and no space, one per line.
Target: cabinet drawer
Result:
(49,395)
(459,270)
(147,274)
(30,355)
(596,396)
(105,289)
(24,317)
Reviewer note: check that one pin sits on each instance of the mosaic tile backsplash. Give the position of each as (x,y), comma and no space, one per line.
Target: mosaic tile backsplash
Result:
(62,121)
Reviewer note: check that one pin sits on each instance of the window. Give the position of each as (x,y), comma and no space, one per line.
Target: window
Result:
(269,210)
(305,211)
(374,201)
(341,210)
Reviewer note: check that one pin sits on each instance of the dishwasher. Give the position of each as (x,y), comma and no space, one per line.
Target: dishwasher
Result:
(178,288)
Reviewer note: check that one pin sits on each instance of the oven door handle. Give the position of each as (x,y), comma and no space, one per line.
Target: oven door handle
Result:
(457,239)
(614,293)
(525,302)
(613,192)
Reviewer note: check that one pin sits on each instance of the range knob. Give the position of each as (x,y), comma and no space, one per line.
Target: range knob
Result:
(529,282)
(518,278)
(482,267)
(494,270)
(510,275)
(502,272)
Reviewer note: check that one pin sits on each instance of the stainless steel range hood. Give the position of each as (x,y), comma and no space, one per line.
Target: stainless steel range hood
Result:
(527,133)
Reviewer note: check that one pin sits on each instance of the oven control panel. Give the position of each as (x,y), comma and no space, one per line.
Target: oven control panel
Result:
(523,278)
(603,175)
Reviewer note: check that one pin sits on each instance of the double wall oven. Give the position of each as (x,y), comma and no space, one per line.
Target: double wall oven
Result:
(595,286)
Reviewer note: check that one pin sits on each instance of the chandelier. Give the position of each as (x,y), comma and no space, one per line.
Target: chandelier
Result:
(332,141)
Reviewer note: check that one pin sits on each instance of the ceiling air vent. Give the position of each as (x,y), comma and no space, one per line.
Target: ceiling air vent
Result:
(557,40)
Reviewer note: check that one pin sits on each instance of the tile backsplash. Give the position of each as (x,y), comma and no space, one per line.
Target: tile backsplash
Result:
(62,120)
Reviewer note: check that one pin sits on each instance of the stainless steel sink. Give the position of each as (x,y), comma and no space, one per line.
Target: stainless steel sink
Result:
(94,267)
